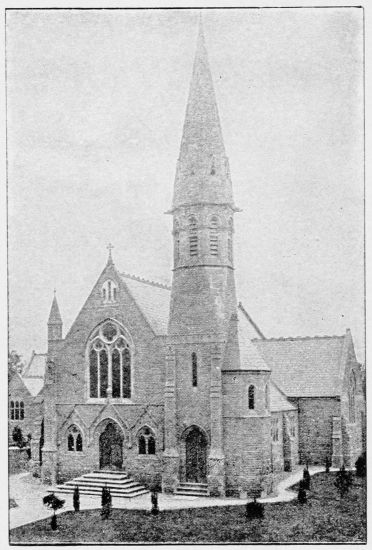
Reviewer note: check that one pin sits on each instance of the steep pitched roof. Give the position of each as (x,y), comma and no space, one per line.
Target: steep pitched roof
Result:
(36,366)
(278,401)
(34,385)
(153,300)
(250,356)
(305,367)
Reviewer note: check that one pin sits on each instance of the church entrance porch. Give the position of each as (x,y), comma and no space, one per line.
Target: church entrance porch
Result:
(196,456)
(111,448)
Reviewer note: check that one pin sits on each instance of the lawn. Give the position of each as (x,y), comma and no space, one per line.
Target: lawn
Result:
(325,518)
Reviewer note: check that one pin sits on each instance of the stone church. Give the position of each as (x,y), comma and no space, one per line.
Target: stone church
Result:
(177,384)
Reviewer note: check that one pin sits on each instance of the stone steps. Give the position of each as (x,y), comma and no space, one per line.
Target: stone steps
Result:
(119,483)
(192,489)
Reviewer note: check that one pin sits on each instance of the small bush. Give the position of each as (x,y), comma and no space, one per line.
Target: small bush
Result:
(328,464)
(361,465)
(301,497)
(306,479)
(343,481)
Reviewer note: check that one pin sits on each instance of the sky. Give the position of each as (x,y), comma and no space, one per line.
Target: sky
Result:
(95,107)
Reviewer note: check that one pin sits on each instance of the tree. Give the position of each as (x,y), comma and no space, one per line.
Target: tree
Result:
(343,481)
(15,364)
(54,503)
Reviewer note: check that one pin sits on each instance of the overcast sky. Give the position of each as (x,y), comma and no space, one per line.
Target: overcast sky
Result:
(96,103)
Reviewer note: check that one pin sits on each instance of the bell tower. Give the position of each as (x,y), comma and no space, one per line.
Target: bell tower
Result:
(203,296)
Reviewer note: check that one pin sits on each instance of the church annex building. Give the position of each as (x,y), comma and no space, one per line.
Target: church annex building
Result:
(177,384)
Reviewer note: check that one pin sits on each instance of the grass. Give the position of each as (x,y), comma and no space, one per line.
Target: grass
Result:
(325,518)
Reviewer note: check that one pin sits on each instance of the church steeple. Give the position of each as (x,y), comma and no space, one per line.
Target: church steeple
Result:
(203,209)
(202,174)
(54,321)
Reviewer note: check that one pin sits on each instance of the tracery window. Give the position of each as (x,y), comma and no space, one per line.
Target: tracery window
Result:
(146,442)
(109,292)
(351,395)
(193,237)
(17,410)
(213,236)
(74,439)
(275,429)
(109,362)
(251,397)
(194,366)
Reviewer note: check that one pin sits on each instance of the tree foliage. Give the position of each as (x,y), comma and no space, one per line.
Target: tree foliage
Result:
(15,364)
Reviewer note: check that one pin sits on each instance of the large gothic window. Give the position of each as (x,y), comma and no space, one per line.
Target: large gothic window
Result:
(351,395)
(193,236)
(213,236)
(109,362)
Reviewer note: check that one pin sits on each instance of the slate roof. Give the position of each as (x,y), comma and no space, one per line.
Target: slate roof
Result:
(305,367)
(278,401)
(153,300)
(250,356)
(34,385)
(36,366)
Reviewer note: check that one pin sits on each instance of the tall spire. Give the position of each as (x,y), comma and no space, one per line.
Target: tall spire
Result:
(202,171)
(54,321)
(54,315)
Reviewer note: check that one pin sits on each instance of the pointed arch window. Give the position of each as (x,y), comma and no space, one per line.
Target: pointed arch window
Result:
(351,395)
(193,236)
(74,439)
(213,236)
(194,367)
(146,442)
(275,430)
(109,362)
(12,410)
(109,291)
(251,397)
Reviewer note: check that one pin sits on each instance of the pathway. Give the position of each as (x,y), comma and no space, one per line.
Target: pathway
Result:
(28,492)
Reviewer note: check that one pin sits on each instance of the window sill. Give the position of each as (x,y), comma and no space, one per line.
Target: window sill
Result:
(104,400)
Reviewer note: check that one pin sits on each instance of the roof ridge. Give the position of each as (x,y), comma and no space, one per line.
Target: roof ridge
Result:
(146,281)
(288,338)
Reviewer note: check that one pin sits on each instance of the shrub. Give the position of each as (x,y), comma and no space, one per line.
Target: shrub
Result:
(306,478)
(18,436)
(343,481)
(301,497)
(328,464)
(361,465)
(254,509)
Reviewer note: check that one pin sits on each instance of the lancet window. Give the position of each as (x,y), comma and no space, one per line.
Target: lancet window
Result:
(146,442)
(74,439)
(251,397)
(213,236)
(193,236)
(351,395)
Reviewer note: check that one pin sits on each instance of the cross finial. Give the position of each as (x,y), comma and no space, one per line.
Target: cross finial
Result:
(54,291)
(109,248)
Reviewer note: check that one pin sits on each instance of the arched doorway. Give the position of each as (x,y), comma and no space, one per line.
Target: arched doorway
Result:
(111,448)
(196,456)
